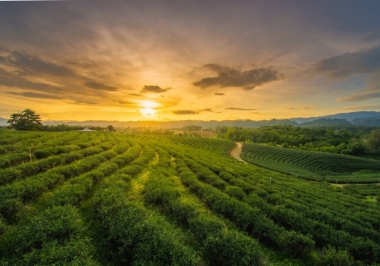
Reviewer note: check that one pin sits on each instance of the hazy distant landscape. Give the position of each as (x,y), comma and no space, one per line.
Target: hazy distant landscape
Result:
(353,118)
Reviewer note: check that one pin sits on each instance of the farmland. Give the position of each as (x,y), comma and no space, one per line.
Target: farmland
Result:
(93,198)
(313,165)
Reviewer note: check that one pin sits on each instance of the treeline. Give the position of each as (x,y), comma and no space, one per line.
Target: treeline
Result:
(60,128)
(145,131)
(344,140)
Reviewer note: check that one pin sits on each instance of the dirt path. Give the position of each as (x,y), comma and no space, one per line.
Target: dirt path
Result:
(236,151)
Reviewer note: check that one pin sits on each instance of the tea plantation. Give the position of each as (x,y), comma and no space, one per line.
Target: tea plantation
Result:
(93,198)
(313,165)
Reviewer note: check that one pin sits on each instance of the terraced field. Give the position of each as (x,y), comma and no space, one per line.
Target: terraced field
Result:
(313,165)
(111,199)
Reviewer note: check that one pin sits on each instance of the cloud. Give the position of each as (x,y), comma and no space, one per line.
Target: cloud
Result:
(185,112)
(85,103)
(368,107)
(219,93)
(33,65)
(247,80)
(35,95)
(289,108)
(193,112)
(99,86)
(307,107)
(153,89)
(10,79)
(135,94)
(239,109)
(124,102)
(361,62)
(372,37)
(360,97)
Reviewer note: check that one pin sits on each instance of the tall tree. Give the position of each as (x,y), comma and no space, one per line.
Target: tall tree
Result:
(374,141)
(26,120)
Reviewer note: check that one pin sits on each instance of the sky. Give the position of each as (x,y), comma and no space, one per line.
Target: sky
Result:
(196,59)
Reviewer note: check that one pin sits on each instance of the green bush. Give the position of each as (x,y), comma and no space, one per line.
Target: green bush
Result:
(331,256)
(231,248)
(235,192)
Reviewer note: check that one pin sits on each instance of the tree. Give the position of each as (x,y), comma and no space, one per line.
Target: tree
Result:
(374,141)
(26,120)
(111,128)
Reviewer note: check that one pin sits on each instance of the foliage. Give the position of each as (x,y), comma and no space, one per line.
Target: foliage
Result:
(313,165)
(374,141)
(118,199)
(110,128)
(339,139)
(26,120)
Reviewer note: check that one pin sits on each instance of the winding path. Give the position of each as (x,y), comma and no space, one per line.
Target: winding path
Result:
(236,151)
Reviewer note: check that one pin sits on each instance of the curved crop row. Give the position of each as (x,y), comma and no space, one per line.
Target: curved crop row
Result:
(309,164)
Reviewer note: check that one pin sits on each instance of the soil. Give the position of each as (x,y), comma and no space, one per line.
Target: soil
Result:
(236,151)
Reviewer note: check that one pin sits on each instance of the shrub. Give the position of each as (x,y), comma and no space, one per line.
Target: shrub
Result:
(231,248)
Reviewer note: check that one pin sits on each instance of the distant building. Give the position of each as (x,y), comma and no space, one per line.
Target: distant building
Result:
(87,129)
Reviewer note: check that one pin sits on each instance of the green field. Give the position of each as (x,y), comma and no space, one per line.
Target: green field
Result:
(92,198)
(336,168)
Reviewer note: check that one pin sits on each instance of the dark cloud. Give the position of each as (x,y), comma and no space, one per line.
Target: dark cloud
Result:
(373,37)
(47,78)
(33,65)
(154,89)
(360,97)
(99,86)
(219,93)
(135,94)
(185,112)
(209,110)
(307,107)
(361,62)
(10,79)
(85,103)
(124,102)
(247,80)
(239,109)
(35,95)
(289,108)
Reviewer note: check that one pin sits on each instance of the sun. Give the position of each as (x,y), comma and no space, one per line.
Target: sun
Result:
(148,112)
(148,109)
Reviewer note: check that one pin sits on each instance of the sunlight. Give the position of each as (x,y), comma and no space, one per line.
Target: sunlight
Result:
(148,112)
(148,108)
(148,104)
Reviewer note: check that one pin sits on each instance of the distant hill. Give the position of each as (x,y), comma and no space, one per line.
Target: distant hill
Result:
(348,116)
(367,121)
(354,118)
(326,122)
(179,124)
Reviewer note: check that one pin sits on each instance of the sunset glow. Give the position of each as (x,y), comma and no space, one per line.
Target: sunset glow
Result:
(193,60)
(148,112)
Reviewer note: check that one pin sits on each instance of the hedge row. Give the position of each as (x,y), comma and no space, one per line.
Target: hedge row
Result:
(133,235)
(54,236)
(219,245)
(249,219)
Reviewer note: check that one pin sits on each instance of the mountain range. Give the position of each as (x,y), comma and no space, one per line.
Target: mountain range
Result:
(370,118)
